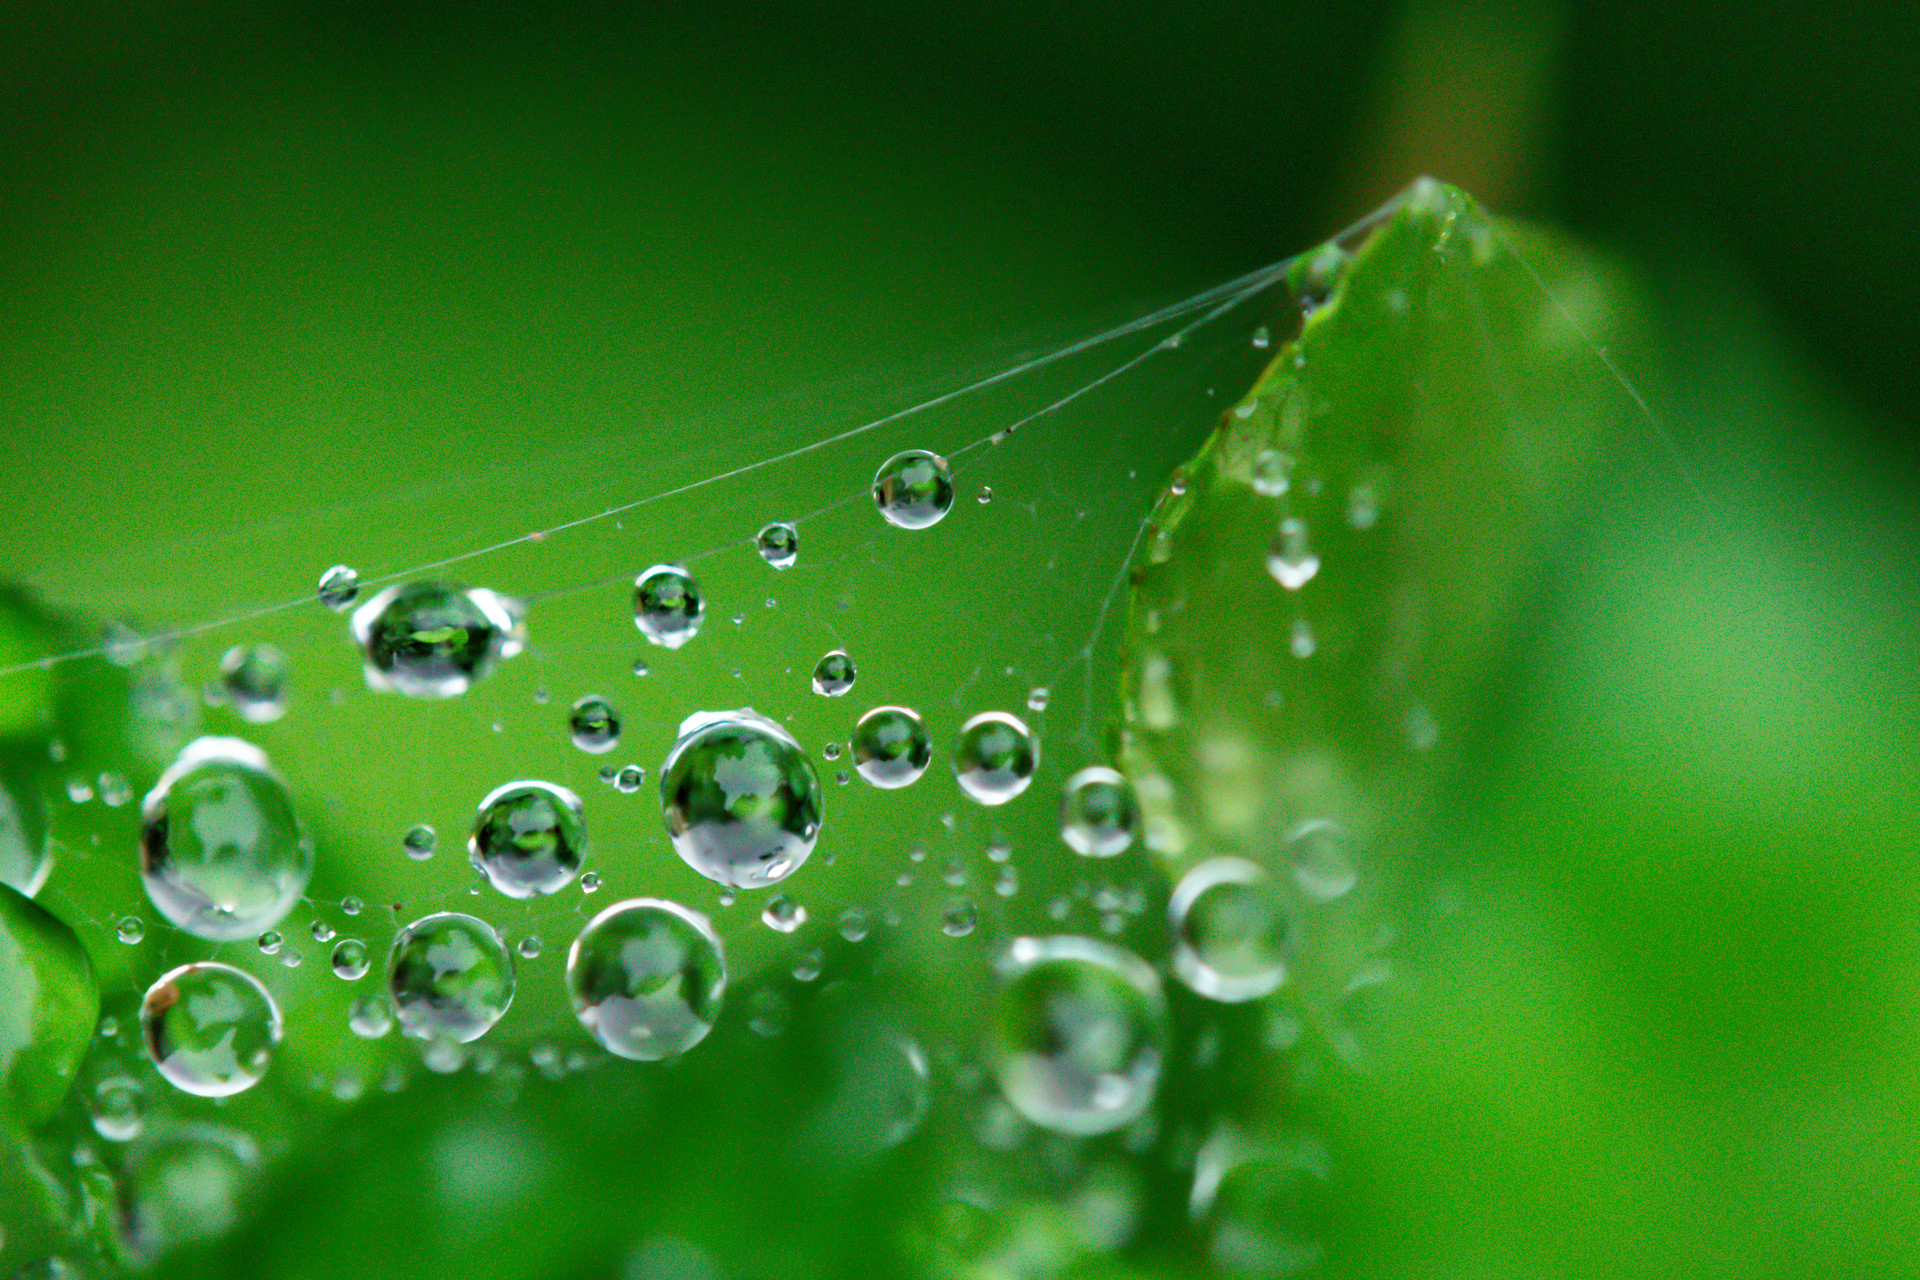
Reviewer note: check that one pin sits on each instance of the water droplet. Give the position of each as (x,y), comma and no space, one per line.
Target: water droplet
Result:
(339,587)
(594,725)
(221,853)
(210,1029)
(783,914)
(1265,1209)
(1007,883)
(129,930)
(350,960)
(807,965)
(253,681)
(1078,1033)
(1290,559)
(119,1109)
(26,853)
(432,640)
(768,1012)
(79,790)
(1098,812)
(647,978)
(1272,473)
(1300,641)
(779,545)
(1262,338)
(1363,507)
(419,842)
(1232,928)
(370,1016)
(958,917)
(352,906)
(833,675)
(914,489)
(1316,275)
(450,977)
(629,779)
(667,606)
(986,494)
(853,924)
(995,757)
(639,666)
(115,790)
(291,959)
(530,947)
(322,931)
(590,882)
(1037,699)
(891,747)
(270,943)
(831,751)
(528,838)
(1321,855)
(740,798)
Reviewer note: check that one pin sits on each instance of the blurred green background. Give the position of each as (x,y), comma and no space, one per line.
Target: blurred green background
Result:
(288,285)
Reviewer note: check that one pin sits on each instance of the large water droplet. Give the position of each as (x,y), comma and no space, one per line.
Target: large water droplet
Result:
(1098,812)
(210,1029)
(1290,559)
(914,489)
(995,757)
(221,853)
(647,978)
(833,675)
(528,838)
(339,587)
(594,725)
(1232,928)
(779,545)
(1321,854)
(450,977)
(1078,1033)
(432,640)
(891,747)
(740,797)
(26,855)
(667,606)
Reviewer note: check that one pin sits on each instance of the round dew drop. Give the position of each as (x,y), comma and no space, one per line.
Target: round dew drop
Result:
(667,606)
(740,798)
(432,640)
(1077,1035)
(783,915)
(914,489)
(1232,929)
(210,1029)
(419,841)
(253,679)
(1321,854)
(995,757)
(339,588)
(528,838)
(779,544)
(449,977)
(594,725)
(891,747)
(833,675)
(370,1016)
(1098,812)
(1290,559)
(350,960)
(646,978)
(130,930)
(628,780)
(221,853)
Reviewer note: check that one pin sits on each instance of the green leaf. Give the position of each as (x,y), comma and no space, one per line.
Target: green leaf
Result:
(48,1005)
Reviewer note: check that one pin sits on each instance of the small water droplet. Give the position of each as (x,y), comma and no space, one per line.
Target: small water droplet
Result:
(779,545)
(528,838)
(1098,812)
(339,587)
(350,959)
(783,915)
(958,917)
(419,842)
(594,725)
(834,674)
(590,882)
(352,906)
(1262,338)
(808,964)
(1272,473)
(1300,640)
(1037,699)
(854,925)
(253,681)
(995,757)
(891,747)
(1290,559)
(629,779)
(271,942)
(129,930)
(322,931)
(639,667)
(1007,883)
(667,606)
(768,1012)
(115,790)
(1323,858)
